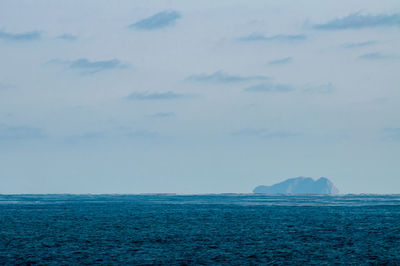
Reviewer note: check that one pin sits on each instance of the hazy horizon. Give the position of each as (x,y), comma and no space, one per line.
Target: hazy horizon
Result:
(198,97)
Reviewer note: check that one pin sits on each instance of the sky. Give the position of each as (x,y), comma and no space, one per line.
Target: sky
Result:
(198,96)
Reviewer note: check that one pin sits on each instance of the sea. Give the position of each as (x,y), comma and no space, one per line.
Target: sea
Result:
(221,229)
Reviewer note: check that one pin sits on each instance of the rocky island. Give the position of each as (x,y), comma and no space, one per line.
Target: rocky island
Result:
(300,185)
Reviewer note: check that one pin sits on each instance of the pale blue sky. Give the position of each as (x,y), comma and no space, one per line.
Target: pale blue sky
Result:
(198,96)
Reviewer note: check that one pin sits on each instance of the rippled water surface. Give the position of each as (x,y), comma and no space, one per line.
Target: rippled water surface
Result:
(201,229)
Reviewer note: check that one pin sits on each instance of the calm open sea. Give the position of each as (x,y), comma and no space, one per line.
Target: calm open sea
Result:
(201,229)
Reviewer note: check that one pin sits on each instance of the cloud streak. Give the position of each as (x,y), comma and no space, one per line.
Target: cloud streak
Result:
(4,86)
(392,133)
(20,37)
(85,137)
(67,37)
(270,87)
(358,44)
(221,77)
(321,89)
(262,133)
(160,20)
(142,134)
(358,21)
(120,132)
(281,61)
(86,66)
(377,56)
(20,132)
(128,132)
(162,115)
(274,38)
(145,96)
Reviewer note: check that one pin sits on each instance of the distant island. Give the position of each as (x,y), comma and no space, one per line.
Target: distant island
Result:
(300,185)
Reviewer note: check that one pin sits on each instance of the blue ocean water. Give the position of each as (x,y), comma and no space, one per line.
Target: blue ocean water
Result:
(199,229)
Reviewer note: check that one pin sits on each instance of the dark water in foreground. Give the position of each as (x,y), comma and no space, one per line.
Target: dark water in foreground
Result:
(207,229)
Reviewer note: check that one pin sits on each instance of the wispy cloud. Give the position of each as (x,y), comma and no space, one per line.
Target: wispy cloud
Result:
(144,96)
(119,132)
(20,37)
(142,134)
(378,56)
(321,89)
(221,77)
(129,132)
(358,44)
(86,66)
(359,21)
(249,132)
(280,61)
(85,137)
(276,38)
(157,21)
(4,86)
(96,66)
(270,87)
(392,133)
(67,37)
(162,115)
(263,133)
(20,132)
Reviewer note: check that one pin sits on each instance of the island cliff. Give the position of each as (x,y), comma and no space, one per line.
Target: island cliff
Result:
(300,185)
